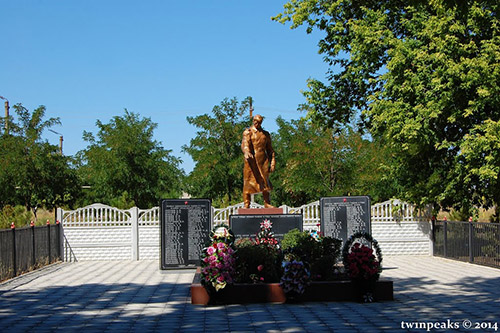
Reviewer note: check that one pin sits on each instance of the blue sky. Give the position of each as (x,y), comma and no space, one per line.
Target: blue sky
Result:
(88,60)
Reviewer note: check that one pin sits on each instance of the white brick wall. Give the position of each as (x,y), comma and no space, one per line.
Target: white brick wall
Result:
(101,253)
(98,243)
(401,238)
(149,242)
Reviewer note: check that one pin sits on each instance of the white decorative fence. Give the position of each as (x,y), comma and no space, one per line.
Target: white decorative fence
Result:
(401,229)
(100,232)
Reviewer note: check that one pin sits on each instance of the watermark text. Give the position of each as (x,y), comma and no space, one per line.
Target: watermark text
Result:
(448,325)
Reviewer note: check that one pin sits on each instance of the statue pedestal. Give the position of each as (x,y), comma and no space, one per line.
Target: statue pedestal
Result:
(260,211)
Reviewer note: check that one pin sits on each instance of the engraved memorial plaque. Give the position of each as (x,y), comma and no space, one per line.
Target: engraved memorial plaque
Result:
(245,226)
(185,228)
(341,217)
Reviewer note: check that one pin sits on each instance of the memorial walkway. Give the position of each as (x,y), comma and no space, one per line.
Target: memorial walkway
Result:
(135,296)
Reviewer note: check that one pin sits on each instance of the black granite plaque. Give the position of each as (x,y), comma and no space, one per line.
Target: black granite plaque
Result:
(341,217)
(185,228)
(245,226)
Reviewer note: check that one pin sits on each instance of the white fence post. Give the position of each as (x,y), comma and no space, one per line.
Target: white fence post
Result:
(59,215)
(134,219)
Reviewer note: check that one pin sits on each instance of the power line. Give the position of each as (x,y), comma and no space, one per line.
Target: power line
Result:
(274,109)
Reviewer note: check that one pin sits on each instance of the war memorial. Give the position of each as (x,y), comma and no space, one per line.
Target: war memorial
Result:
(257,268)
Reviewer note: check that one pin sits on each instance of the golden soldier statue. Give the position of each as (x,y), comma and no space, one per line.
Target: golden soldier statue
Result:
(259,162)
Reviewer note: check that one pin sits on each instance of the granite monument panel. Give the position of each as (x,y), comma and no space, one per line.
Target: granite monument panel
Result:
(185,228)
(341,217)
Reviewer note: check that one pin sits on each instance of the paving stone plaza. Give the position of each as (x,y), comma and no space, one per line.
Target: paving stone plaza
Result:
(431,294)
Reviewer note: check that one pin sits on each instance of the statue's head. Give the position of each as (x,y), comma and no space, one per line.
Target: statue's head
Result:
(257,121)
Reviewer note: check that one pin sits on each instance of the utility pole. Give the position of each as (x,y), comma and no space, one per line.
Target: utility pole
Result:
(251,109)
(6,114)
(60,144)
(60,141)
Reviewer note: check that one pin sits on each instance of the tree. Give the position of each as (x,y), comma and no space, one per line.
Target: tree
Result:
(216,150)
(33,172)
(125,166)
(11,157)
(426,76)
(314,161)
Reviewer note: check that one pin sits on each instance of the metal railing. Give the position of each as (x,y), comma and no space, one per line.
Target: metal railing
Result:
(474,242)
(28,248)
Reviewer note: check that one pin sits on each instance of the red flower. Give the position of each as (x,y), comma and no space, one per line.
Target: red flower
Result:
(361,262)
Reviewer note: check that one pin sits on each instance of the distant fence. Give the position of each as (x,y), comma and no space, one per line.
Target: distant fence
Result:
(473,242)
(100,232)
(28,248)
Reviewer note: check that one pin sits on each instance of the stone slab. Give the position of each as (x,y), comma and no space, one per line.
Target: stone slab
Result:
(260,211)
(245,226)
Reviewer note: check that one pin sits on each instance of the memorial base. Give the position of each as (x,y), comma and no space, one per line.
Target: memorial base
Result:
(320,291)
(260,211)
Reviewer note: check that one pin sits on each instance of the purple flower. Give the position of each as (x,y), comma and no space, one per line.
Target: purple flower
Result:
(211,250)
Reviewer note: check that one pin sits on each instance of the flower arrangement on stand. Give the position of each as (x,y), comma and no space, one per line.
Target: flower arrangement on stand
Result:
(296,277)
(218,259)
(362,265)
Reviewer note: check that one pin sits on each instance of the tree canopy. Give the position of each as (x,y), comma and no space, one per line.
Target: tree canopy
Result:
(125,166)
(425,76)
(33,171)
(314,161)
(216,150)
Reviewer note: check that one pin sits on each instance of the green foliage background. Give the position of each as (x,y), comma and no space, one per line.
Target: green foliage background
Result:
(410,109)
(216,150)
(33,173)
(124,166)
(424,75)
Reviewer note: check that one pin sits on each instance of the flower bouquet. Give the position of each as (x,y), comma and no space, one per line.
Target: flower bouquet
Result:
(217,260)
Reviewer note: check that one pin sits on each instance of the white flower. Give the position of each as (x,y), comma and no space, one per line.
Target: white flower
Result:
(221,232)
(219,285)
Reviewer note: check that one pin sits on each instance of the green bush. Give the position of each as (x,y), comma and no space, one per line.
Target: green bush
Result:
(16,214)
(256,263)
(320,254)
(299,245)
